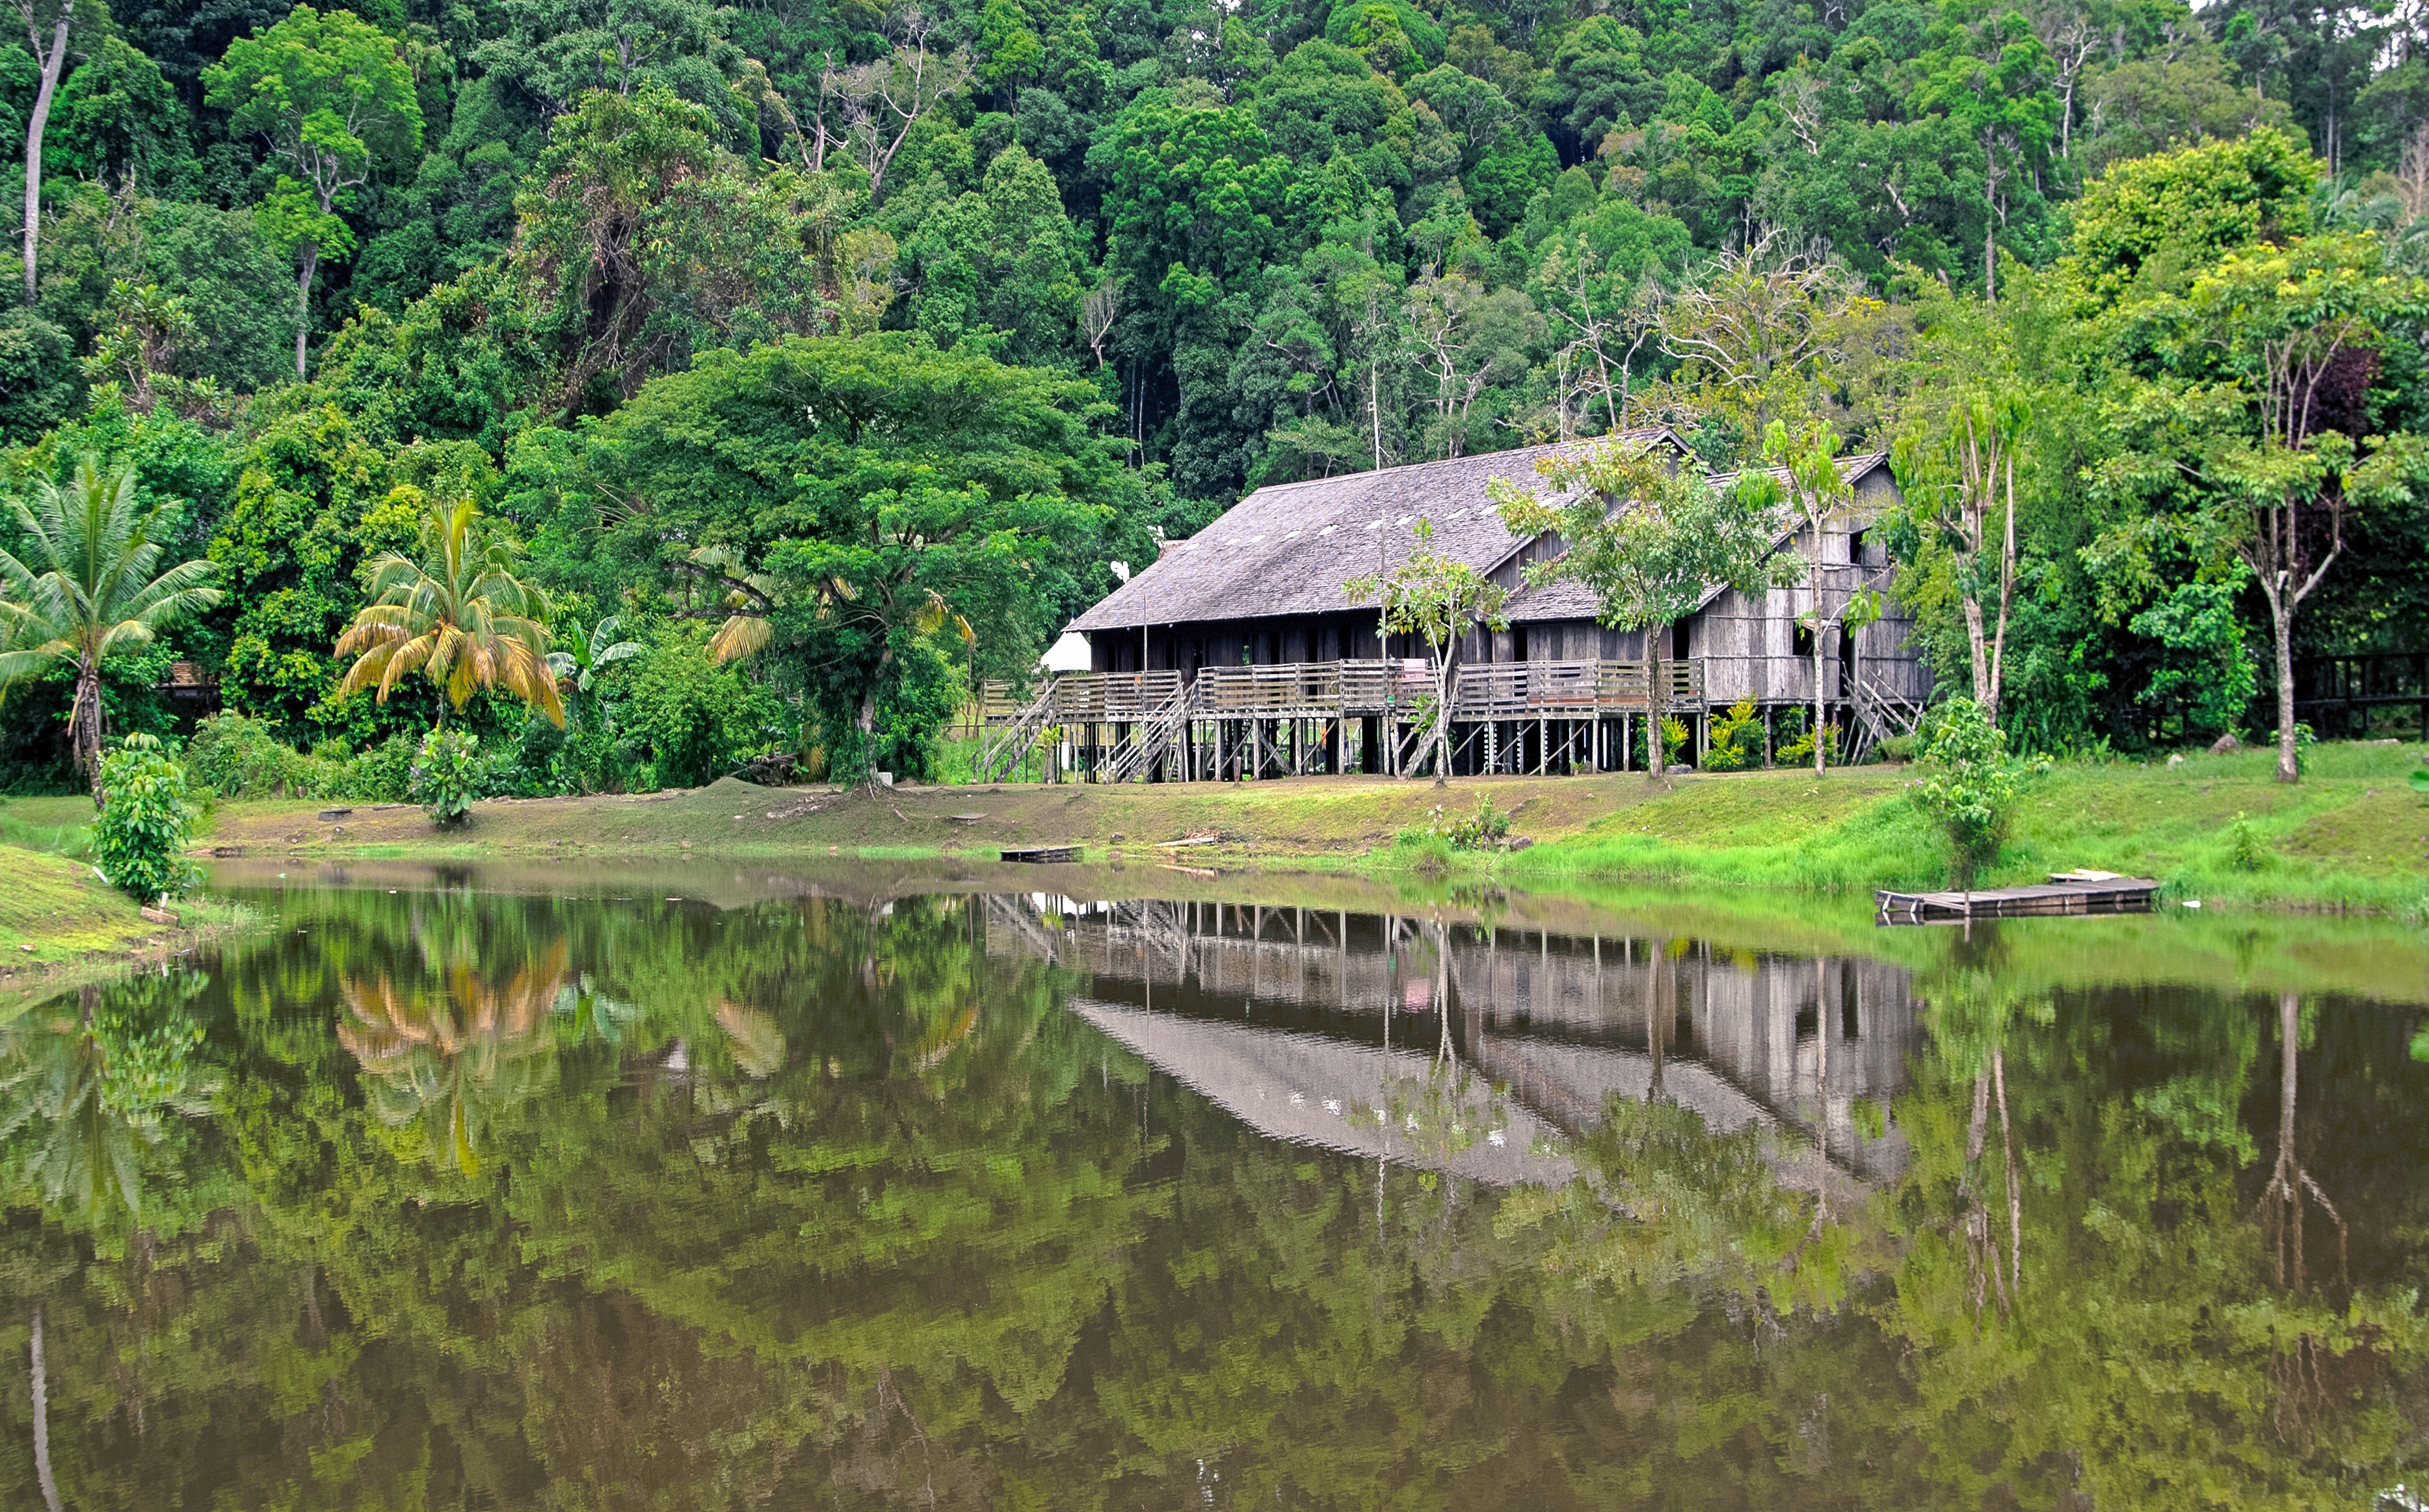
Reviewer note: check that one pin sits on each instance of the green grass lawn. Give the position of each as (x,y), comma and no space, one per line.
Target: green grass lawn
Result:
(58,920)
(53,824)
(61,923)
(2351,836)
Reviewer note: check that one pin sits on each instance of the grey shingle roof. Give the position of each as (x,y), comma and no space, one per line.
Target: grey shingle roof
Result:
(1288,548)
(1568,599)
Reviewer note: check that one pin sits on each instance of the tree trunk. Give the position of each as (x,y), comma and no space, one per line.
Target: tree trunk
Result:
(34,126)
(1442,715)
(2006,595)
(1821,756)
(2281,623)
(309,255)
(85,732)
(1654,689)
(43,1422)
(1977,641)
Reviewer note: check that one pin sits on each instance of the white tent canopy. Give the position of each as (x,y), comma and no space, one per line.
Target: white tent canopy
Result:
(1069,654)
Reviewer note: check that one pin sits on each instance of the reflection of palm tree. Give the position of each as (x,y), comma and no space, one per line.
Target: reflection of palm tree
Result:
(759,1044)
(102,1087)
(456,1052)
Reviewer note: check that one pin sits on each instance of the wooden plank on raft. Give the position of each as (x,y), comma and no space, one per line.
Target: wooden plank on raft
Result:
(1041,854)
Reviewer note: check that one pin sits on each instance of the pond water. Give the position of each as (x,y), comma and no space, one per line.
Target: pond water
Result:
(698,1188)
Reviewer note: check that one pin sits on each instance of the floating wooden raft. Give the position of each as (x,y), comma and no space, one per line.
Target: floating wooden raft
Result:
(1044,853)
(2065,893)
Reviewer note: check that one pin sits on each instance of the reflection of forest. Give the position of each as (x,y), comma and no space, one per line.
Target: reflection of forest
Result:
(468,1200)
(1567,1022)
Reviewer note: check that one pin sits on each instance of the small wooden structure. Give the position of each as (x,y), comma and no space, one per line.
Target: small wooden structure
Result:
(1041,854)
(1239,655)
(2066,893)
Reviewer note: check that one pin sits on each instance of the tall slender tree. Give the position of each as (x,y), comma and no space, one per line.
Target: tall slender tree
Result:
(1438,599)
(50,58)
(332,95)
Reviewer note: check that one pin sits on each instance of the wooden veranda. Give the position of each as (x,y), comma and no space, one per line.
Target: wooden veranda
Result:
(1296,718)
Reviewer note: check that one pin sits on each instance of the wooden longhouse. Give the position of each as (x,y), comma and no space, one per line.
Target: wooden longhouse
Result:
(1239,655)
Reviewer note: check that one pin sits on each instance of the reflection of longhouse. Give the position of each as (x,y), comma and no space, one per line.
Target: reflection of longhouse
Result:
(1269,994)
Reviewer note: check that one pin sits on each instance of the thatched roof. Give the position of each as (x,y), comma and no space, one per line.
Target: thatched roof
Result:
(1568,599)
(1288,548)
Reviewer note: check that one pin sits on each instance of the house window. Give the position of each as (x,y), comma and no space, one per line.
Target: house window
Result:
(1804,641)
(1679,641)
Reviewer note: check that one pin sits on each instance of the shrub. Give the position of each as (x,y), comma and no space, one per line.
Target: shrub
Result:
(1475,831)
(1800,751)
(690,719)
(139,839)
(1422,849)
(237,757)
(1899,748)
(1972,794)
(447,776)
(2244,848)
(1734,743)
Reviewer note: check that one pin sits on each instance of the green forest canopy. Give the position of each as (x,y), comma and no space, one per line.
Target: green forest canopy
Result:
(1181,253)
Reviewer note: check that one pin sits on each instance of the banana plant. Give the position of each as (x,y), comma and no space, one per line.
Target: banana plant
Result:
(592,654)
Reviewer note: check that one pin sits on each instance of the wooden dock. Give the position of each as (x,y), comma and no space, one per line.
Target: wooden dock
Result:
(2065,893)
(1042,853)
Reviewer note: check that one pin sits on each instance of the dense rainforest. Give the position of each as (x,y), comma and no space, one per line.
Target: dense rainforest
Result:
(808,359)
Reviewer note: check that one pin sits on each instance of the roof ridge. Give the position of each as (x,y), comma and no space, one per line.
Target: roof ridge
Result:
(1644,431)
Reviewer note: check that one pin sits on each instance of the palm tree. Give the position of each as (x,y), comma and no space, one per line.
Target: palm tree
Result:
(459,615)
(96,591)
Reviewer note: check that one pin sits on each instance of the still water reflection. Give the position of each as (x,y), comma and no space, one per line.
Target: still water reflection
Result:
(478,1192)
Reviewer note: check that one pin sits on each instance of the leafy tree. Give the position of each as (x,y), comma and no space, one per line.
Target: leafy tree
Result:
(870,493)
(314,500)
(459,617)
(2279,440)
(1649,539)
(118,119)
(1003,258)
(2191,205)
(335,101)
(1956,466)
(643,244)
(1802,471)
(556,51)
(89,591)
(1439,600)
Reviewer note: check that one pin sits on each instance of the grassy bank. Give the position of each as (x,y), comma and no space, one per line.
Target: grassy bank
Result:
(59,923)
(2350,837)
